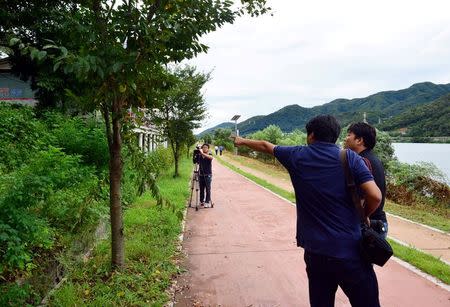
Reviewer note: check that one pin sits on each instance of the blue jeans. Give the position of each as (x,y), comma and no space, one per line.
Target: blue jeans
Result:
(355,277)
(205,185)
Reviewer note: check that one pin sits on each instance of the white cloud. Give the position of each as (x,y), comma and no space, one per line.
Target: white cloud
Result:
(311,52)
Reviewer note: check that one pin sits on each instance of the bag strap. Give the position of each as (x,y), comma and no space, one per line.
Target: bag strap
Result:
(368,164)
(351,185)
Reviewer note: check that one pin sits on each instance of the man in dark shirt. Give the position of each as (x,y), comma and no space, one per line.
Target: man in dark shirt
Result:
(328,224)
(361,138)
(205,175)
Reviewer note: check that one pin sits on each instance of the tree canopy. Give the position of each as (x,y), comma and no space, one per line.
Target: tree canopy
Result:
(114,55)
(182,110)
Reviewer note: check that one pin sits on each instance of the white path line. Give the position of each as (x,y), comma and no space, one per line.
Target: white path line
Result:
(428,277)
(417,223)
(406,265)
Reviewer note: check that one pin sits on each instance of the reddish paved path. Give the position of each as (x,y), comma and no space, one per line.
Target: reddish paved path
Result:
(243,253)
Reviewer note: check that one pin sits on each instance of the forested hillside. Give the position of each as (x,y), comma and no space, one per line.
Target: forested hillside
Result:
(378,107)
(431,119)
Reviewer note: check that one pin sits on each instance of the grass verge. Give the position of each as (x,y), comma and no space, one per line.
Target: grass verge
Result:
(277,190)
(275,170)
(424,262)
(151,239)
(420,214)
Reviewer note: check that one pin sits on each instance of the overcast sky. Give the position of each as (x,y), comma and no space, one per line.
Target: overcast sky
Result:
(311,52)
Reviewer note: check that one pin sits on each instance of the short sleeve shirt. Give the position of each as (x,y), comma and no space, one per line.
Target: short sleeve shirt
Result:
(205,166)
(327,221)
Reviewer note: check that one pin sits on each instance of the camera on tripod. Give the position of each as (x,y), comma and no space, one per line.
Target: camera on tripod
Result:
(196,155)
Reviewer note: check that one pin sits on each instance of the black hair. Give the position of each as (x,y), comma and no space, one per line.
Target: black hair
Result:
(206,144)
(326,128)
(366,132)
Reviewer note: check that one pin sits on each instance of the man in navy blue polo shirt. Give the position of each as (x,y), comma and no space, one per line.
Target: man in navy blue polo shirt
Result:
(328,225)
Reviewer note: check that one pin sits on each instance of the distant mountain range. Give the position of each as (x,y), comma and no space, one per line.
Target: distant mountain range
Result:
(382,106)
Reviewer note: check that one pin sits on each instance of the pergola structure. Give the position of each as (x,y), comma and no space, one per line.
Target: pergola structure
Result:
(149,136)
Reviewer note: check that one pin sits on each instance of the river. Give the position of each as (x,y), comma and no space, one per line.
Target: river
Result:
(438,154)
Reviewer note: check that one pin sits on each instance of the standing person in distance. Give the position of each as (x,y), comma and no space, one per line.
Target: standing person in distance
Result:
(328,224)
(216,149)
(205,175)
(362,138)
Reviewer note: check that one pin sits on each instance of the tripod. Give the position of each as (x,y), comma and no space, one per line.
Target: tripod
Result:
(194,185)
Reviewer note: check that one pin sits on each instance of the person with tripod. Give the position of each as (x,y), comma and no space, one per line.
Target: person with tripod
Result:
(204,160)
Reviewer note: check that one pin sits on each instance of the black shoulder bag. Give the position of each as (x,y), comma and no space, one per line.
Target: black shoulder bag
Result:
(374,248)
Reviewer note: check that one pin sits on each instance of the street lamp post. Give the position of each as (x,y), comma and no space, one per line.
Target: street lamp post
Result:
(236,131)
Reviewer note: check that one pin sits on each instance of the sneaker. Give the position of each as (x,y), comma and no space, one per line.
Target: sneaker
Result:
(202,204)
(207,205)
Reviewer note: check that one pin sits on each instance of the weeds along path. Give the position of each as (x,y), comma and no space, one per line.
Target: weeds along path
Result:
(242,252)
(431,241)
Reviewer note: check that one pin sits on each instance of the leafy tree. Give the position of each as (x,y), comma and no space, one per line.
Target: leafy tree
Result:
(294,138)
(272,134)
(183,109)
(208,138)
(222,138)
(120,50)
(34,22)
(384,149)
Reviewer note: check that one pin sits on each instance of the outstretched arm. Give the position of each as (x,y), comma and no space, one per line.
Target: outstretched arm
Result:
(261,146)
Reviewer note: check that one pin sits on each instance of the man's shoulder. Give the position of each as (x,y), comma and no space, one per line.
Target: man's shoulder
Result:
(372,157)
(353,155)
(355,160)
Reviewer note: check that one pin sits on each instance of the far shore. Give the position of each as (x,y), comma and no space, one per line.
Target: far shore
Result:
(406,139)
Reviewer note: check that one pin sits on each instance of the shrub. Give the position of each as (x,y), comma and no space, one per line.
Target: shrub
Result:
(20,136)
(294,138)
(420,182)
(384,149)
(54,190)
(222,138)
(160,159)
(79,136)
(53,193)
(274,135)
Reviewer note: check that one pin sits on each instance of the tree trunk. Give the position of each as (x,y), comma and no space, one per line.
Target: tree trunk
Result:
(115,176)
(176,167)
(174,147)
